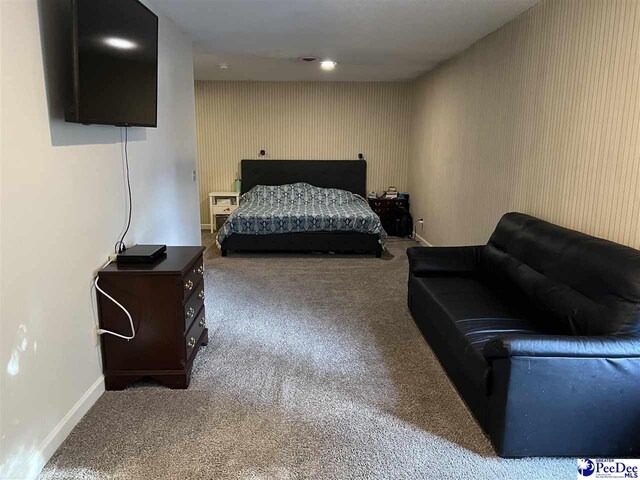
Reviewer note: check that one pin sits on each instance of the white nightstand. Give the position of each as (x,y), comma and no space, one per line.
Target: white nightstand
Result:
(222,203)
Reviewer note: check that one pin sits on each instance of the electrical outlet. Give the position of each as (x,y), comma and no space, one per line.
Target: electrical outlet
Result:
(194,176)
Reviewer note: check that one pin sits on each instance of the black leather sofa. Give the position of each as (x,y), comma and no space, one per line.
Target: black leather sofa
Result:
(539,330)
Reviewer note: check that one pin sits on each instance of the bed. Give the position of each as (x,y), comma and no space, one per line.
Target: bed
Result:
(271,219)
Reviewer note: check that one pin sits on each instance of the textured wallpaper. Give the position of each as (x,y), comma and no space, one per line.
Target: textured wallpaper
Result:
(301,120)
(541,116)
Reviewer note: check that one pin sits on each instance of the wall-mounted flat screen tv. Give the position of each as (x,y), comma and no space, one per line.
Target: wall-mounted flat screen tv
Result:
(115,64)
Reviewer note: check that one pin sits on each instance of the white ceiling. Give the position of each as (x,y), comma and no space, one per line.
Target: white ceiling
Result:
(372,40)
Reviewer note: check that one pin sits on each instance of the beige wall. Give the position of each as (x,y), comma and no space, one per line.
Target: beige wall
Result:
(301,120)
(541,116)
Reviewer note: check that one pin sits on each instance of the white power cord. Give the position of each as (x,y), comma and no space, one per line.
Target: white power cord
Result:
(100,330)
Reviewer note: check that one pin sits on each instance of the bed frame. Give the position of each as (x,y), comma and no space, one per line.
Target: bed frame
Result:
(350,175)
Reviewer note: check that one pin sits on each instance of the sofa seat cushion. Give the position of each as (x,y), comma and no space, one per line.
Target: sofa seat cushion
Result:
(468,313)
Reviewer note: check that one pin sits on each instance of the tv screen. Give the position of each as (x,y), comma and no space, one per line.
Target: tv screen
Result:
(115,63)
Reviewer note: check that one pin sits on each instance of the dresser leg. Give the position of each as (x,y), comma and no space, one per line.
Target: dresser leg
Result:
(119,382)
(180,381)
(122,381)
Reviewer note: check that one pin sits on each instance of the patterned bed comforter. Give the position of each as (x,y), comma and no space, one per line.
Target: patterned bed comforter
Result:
(300,207)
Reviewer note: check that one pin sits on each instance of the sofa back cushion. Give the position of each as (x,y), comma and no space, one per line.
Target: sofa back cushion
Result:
(578,284)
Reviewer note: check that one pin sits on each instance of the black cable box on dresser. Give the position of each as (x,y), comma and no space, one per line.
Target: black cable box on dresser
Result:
(142,254)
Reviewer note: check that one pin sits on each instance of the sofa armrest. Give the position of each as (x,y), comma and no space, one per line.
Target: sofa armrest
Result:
(621,346)
(564,396)
(433,260)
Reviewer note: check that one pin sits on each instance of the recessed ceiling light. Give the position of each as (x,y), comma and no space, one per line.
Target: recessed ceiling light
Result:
(327,65)
(121,43)
(223,66)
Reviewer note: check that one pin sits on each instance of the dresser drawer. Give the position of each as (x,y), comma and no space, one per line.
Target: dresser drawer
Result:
(193,335)
(388,203)
(386,211)
(193,305)
(224,209)
(191,279)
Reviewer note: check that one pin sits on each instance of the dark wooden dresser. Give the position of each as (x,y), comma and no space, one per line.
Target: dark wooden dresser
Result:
(166,301)
(391,212)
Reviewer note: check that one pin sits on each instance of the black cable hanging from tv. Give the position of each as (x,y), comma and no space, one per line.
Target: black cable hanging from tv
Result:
(120,246)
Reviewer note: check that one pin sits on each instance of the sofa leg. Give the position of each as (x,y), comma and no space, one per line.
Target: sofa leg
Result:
(379,253)
(223,252)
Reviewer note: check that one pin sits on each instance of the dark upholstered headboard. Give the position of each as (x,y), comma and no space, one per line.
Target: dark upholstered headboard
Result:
(350,175)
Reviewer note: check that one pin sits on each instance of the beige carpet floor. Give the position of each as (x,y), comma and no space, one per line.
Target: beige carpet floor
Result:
(314,369)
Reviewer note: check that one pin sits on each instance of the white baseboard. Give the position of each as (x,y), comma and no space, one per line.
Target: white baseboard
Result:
(205,226)
(422,241)
(38,459)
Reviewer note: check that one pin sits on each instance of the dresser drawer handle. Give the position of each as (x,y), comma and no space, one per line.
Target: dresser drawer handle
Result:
(192,342)
(201,295)
(188,285)
(190,312)
(203,322)
(200,270)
